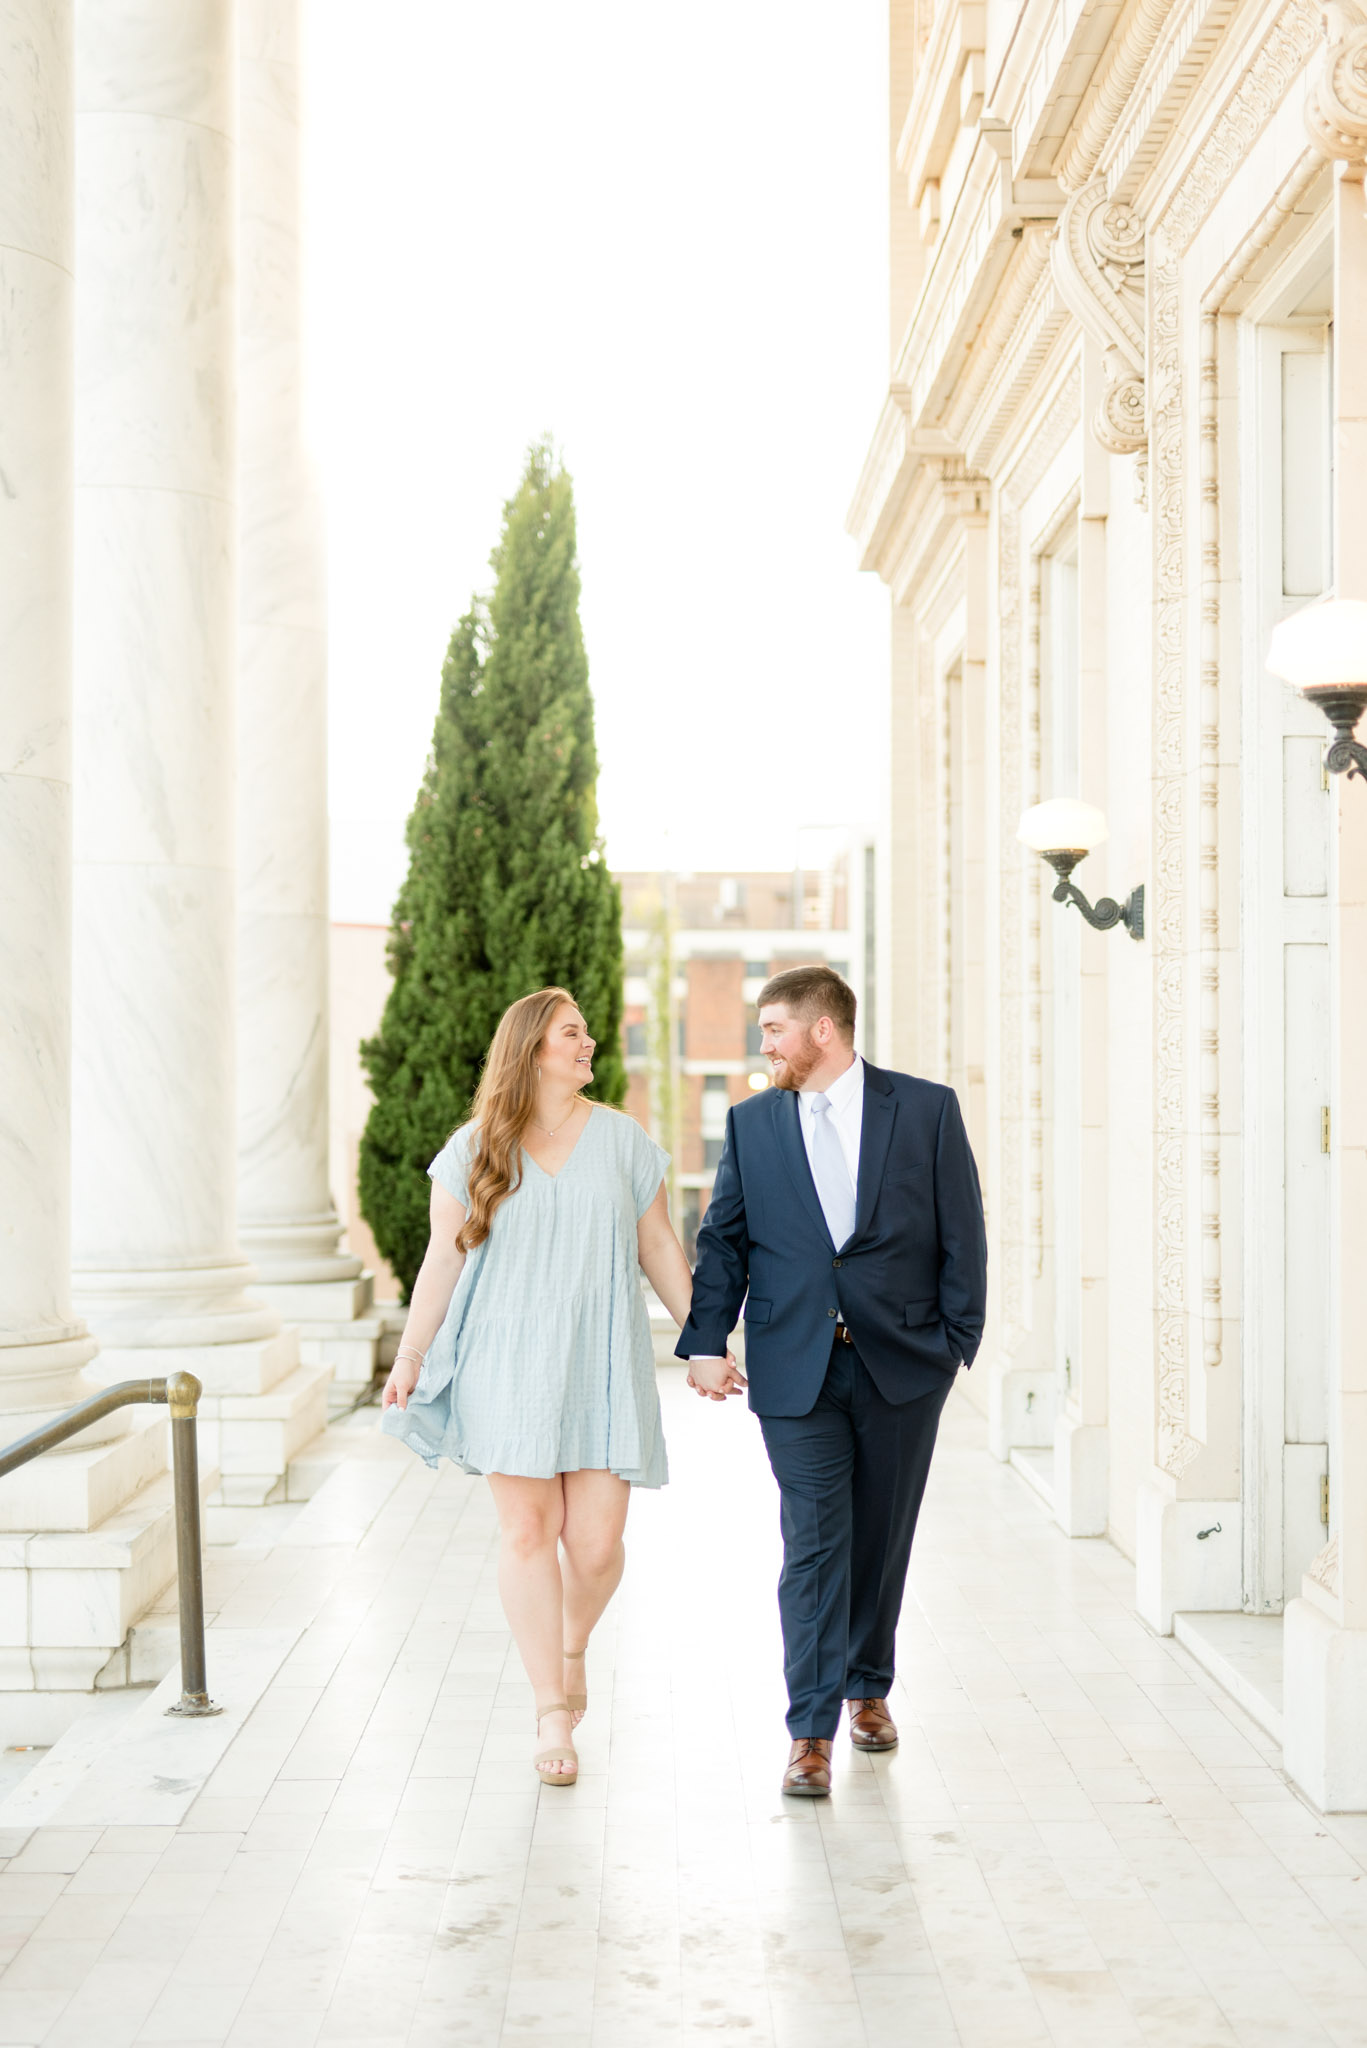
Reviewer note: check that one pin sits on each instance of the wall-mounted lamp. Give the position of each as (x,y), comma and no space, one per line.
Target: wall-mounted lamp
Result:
(1322,652)
(1063,832)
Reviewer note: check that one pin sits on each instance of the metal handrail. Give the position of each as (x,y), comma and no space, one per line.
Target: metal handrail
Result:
(180,1392)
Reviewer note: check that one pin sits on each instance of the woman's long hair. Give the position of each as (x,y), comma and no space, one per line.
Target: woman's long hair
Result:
(502,1109)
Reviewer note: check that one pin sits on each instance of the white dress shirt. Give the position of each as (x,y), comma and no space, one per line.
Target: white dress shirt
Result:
(846,1097)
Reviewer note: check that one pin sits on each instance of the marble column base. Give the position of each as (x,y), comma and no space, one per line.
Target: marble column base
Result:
(41,1381)
(68,1601)
(41,1373)
(1082,1477)
(1177,1569)
(168,1308)
(1020,1405)
(311,1301)
(302,1251)
(307,1281)
(1324,1708)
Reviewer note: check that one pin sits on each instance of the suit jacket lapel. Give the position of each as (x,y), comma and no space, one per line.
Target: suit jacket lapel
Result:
(880,1113)
(794,1155)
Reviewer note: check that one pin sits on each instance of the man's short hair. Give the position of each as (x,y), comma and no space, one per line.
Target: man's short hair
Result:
(812,992)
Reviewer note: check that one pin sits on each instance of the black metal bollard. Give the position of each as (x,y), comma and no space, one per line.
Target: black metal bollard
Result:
(182,1393)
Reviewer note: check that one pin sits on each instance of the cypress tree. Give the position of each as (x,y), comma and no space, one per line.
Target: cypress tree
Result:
(507,889)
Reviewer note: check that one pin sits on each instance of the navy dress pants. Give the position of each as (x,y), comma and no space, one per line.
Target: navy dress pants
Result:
(851,1475)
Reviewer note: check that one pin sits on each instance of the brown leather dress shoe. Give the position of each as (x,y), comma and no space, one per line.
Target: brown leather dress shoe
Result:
(871,1725)
(808,1775)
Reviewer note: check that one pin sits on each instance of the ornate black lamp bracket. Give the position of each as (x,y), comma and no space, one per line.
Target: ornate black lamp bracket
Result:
(1343,710)
(1107,912)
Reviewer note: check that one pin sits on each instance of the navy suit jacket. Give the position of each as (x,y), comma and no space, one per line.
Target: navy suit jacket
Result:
(911,1281)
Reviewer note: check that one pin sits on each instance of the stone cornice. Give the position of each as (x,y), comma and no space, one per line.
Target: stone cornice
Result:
(945,498)
(973,251)
(888,469)
(1115,78)
(894,469)
(1068,45)
(1037,26)
(1172,70)
(932,118)
(1017,336)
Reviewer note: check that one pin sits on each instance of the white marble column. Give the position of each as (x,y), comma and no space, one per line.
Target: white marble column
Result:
(159,1272)
(67,1595)
(287,1222)
(42,1345)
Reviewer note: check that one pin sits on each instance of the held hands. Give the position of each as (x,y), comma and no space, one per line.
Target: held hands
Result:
(403,1377)
(715,1378)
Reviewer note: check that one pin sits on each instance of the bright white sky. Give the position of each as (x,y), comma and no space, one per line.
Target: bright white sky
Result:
(659,233)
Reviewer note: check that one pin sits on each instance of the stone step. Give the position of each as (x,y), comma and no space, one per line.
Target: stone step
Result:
(311,1469)
(351,1349)
(251,1368)
(152,1769)
(1243,1653)
(68,1599)
(343,1508)
(252,1438)
(147,1653)
(1036,1467)
(79,1489)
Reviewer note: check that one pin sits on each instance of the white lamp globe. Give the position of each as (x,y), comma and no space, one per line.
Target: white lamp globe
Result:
(1063,825)
(1323,646)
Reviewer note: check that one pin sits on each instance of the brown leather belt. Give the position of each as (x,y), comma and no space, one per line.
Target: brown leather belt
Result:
(842,1334)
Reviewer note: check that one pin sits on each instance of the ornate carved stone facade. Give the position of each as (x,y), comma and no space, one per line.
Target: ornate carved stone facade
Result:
(1134,259)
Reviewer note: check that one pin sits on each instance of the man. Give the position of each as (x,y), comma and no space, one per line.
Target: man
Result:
(846,1214)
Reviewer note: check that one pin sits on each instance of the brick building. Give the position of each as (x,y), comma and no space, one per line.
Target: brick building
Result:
(699,947)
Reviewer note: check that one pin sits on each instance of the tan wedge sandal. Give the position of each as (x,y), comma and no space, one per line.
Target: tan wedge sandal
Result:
(555,1756)
(578,1701)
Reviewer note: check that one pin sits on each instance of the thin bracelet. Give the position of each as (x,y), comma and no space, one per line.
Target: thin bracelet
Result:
(412,1351)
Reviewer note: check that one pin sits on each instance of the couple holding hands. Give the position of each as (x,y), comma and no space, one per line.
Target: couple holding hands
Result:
(845,1216)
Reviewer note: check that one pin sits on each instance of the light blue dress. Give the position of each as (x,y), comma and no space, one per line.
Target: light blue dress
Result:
(544,1363)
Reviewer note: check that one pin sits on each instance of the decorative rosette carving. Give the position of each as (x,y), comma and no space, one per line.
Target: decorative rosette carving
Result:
(1336,104)
(1098,264)
(1119,424)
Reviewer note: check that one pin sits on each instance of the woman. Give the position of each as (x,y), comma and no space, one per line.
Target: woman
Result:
(526,1355)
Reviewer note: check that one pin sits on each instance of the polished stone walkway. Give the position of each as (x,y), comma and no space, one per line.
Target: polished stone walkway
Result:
(1079,1843)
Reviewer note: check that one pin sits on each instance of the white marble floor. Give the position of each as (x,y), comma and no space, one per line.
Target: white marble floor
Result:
(1079,1841)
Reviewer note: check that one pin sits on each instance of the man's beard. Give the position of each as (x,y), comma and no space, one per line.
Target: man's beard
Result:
(793,1072)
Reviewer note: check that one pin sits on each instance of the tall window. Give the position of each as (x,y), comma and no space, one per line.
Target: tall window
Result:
(716,1100)
(690,1204)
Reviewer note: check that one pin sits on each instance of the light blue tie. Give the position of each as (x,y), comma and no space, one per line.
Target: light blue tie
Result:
(832,1176)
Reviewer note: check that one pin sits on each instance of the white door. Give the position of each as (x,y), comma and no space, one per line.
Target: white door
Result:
(1286,1039)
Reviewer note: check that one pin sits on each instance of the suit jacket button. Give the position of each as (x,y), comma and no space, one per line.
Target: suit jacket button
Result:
(830,1311)
(837,1262)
